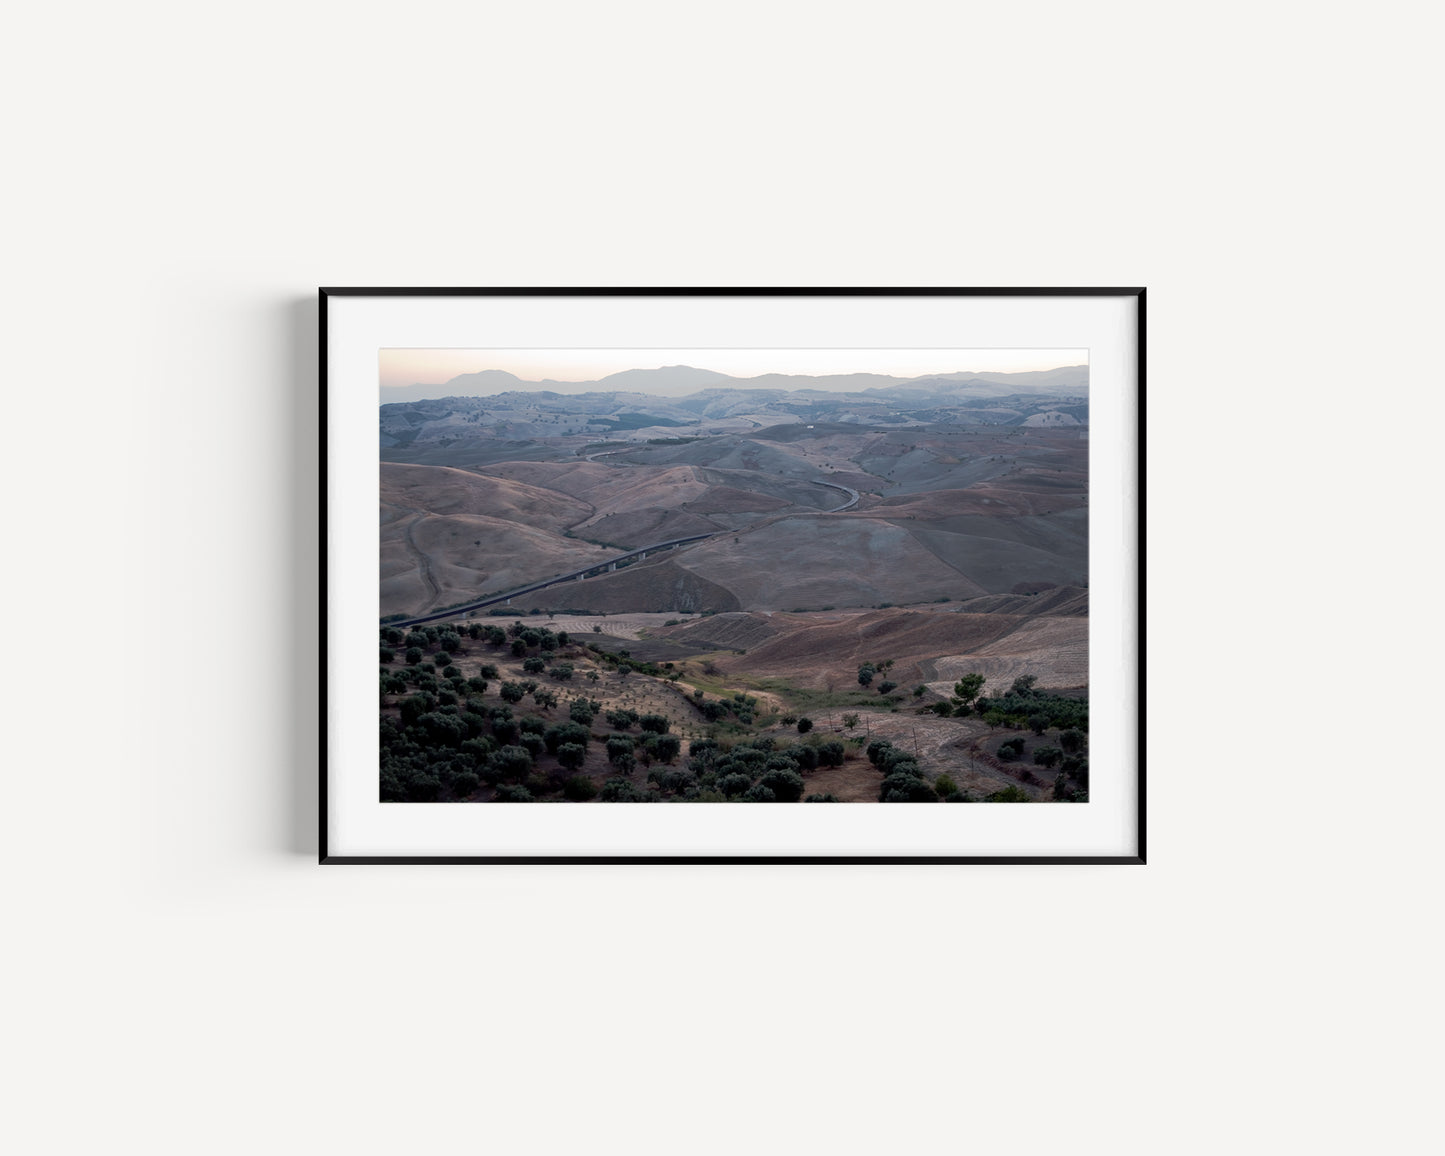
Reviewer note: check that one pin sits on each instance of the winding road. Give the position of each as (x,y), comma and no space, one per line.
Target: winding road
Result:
(595,568)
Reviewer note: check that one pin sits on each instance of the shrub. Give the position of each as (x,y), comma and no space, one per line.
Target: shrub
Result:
(393,684)
(413,655)
(758,793)
(534,665)
(478,749)
(905,786)
(571,755)
(1007,795)
(621,791)
(581,712)
(387,654)
(423,789)
(1047,756)
(620,720)
(568,732)
(443,729)
(504,730)
(1071,741)
(734,784)
(945,786)
(804,725)
(886,686)
(508,763)
(657,723)
(465,783)
(672,780)
(787,786)
(821,799)
(513,692)
(511,794)
(578,789)
(830,754)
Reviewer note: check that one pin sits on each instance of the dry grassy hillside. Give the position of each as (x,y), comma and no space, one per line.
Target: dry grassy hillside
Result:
(410,489)
(660,584)
(846,719)
(933,646)
(429,561)
(941,513)
(812,561)
(932,534)
(448,534)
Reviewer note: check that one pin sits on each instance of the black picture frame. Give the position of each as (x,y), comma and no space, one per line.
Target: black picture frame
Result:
(1137,294)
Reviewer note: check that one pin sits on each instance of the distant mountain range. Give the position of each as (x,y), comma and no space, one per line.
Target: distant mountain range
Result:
(429,426)
(681,380)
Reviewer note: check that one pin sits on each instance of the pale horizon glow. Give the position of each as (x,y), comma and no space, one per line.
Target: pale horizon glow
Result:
(406,367)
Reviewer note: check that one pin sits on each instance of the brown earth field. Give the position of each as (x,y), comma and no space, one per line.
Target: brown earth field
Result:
(941,513)
(933,645)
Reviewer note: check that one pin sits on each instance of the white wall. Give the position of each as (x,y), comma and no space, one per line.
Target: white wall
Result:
(183,978)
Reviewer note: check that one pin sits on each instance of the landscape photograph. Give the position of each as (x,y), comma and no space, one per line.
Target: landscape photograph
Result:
(734,576)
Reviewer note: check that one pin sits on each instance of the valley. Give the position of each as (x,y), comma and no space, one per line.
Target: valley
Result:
(767,544)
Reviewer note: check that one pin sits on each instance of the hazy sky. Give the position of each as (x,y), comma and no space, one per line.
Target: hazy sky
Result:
(437,366)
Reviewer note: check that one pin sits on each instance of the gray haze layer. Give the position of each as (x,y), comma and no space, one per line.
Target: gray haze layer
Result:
(681,380)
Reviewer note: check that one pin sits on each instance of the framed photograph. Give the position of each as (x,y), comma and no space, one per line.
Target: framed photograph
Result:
(646,558)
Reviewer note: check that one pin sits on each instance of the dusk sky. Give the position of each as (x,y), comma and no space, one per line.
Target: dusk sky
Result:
(402,367)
